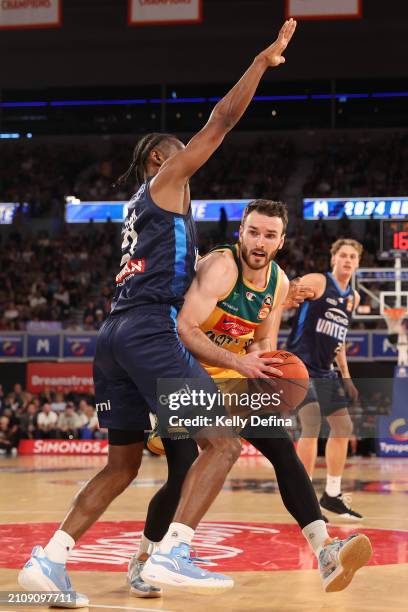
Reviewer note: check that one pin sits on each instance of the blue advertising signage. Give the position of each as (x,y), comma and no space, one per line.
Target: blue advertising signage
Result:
(43,346)
(79,346)
(357,345)
(11,345)
(77,211)
(393,429)
(356,208)
(382,347)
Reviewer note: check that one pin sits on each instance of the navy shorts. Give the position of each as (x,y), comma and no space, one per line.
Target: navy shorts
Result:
(327,390)
(134,349)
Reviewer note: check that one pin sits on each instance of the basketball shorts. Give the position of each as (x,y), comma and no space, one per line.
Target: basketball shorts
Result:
(327,390)
(134,350)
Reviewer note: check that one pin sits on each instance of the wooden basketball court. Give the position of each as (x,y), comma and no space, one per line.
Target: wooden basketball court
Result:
(247,529)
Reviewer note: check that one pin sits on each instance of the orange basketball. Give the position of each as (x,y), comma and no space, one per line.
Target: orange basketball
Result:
(294,383)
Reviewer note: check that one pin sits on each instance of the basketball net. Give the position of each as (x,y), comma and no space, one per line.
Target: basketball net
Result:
(394,318)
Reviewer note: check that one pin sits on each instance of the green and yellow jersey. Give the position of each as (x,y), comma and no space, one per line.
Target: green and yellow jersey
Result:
(238,313)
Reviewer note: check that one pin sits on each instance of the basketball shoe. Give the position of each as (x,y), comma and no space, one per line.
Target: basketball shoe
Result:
(340,505)
(41,574)
(340,559)
(138,586)
(176,569)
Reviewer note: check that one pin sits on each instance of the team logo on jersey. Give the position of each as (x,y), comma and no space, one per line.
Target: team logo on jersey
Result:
(336,315)
(331,301)
(133,266)
(234,327)
(265,308)
(250,296)
(350,303)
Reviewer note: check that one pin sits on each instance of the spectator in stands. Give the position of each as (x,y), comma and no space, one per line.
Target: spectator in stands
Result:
(81,414)
(68,423)
(58,404)
(47,422)
(8,436)
(28,422)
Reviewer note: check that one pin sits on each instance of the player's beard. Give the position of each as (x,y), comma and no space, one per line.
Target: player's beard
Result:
(246,257)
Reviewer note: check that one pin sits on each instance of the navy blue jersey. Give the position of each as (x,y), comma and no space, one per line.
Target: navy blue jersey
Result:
(320,327)
(158,255)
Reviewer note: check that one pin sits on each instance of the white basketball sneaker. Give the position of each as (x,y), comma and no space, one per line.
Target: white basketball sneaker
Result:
(41,574)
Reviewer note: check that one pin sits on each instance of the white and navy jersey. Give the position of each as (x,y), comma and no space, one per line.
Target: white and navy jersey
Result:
(158,255)
(320,327)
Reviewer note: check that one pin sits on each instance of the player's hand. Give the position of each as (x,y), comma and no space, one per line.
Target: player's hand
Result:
(351,389)
(273,54)
(252,365)
(297,294)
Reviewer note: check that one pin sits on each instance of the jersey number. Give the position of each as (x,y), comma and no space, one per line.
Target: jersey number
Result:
(130,237)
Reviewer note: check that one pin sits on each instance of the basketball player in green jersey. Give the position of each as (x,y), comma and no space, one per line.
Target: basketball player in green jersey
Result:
(233,305)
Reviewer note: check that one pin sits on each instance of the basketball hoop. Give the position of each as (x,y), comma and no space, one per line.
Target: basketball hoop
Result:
(394,318)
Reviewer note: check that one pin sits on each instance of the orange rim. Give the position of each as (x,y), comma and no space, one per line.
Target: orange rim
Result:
(395,313)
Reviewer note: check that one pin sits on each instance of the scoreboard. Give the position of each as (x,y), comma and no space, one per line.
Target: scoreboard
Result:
(394,236)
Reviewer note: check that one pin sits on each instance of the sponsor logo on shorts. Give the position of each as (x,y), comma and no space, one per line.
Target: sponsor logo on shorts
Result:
(133,266)
(103,406)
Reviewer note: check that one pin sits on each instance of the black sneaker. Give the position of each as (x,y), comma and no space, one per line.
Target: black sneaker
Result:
(339,505)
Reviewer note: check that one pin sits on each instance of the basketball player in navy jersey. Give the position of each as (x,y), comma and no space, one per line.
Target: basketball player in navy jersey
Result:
(318,337)
(138,344)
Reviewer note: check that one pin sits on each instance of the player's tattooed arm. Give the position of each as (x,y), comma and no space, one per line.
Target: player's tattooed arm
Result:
(216,275)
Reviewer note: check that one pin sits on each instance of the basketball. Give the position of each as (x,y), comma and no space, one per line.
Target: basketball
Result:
(294,383)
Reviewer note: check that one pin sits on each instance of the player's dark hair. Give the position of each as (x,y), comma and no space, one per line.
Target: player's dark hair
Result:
(269,208)
(140,155)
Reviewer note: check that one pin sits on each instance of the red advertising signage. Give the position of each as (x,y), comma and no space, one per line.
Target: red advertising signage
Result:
(152,12)
(21,14)
(63,447)
(324,9)
(61,376)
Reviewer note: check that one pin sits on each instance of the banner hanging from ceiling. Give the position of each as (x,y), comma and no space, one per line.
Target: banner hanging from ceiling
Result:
(21,14)
(324,9)
(164,12)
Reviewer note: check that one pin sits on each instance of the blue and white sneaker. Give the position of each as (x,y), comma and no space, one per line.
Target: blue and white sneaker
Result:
(176,569)
(138,586)
(339,561)
(41,574)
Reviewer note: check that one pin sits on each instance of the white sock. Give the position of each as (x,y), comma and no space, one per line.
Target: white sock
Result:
(317,535)
(59,547)
(333,485)
(146,546)
(176,534)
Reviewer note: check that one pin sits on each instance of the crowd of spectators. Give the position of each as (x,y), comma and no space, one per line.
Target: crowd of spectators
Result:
(344,165)
(49,415)
(46,279)
(347,166)
(43,175)
(66,278)
(67,415)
